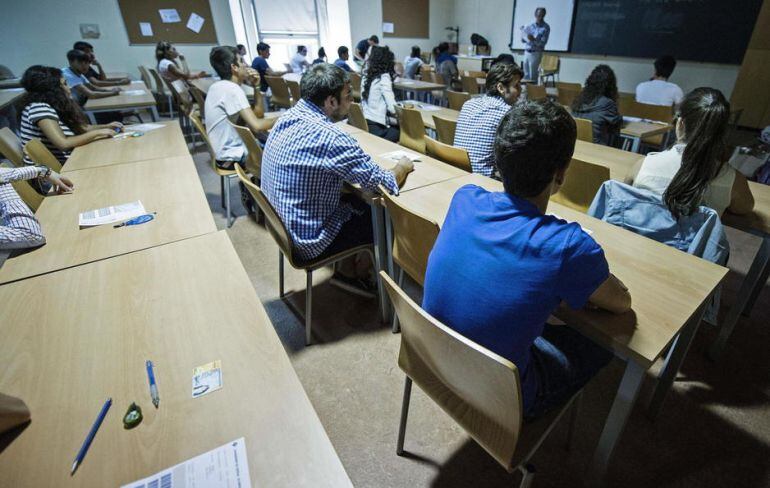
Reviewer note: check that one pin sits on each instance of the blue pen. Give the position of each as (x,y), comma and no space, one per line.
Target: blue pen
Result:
(153,386)
(90,436)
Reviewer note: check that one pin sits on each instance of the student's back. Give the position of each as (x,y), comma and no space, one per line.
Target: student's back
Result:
(598,103)
(658,92)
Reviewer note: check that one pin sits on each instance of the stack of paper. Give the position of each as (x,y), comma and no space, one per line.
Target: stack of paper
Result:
(395,156)
(110,215)
(142,127)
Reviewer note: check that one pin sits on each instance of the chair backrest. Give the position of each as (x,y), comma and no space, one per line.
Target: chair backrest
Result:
(356,117)
(445,129)
(448,70)
(566,95)
(425,71)
(11,147)
(254,156)
(632,108)
(581,183)
(145,77)
(196,121)
(549,63)
(355,85)
(536,92)
(437,78)
(294,91)
(469,84)
(475,74)
(159,84)
(449,154)
(568,86)
(280,90)
(274,223)
(40,154)
(185,66)
(31,197)
(200,99)
(585,131)
(457,99)
(398,67)
(412,130)
(181,94)
(480,390)
(413,238)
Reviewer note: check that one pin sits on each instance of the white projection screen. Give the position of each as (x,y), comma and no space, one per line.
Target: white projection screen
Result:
(559,15)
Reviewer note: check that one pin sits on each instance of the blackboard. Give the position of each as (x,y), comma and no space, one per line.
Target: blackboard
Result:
(716,31)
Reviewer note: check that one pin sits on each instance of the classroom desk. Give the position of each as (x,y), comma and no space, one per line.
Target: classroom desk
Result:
(348,128)
(10,83)
(123,102)
(618,161)
(668,287)
(9,96)
(203,84)
(427,111)
(634,132)
(117,74)
(417,85)
(170,186)
(64,353)
(155,144)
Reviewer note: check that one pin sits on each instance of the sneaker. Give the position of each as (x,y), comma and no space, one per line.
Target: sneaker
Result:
(359,286)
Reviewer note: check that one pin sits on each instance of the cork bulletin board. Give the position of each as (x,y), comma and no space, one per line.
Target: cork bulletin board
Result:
(410,18)
(137,14)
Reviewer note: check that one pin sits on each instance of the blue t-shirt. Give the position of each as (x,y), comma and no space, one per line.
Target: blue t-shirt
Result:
(499,268)
(363,46)
(342,64)
(74,79)
(260,64)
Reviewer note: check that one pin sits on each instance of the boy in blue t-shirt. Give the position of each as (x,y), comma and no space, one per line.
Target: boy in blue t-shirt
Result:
(500,265)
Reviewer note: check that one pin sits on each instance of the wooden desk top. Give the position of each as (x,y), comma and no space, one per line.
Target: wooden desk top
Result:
(348,128)
(618,161)
(427,171)
(427,115)
(155,144)
(667,286)
(121,101)
(169,186)
(64,354)
(759,219)
(417,85)
(10,83)
(203,84)
(9,96)
(644,129)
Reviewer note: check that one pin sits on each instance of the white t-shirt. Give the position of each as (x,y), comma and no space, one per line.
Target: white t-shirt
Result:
(163,69)
(223,102)
(298,63)
(658,169)
(658,92)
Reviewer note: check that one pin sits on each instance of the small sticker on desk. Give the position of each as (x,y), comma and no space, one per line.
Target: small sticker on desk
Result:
(207,378)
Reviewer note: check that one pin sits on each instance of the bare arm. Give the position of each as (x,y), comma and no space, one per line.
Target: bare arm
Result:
(741,199)
(53,133)
(89,93)
(402,168)
(612,295)
(109,82)
(187,76)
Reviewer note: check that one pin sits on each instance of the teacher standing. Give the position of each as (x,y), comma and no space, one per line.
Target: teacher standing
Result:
(535,37)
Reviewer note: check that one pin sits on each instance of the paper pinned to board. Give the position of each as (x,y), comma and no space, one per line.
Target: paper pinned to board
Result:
(146,29)
(195,23)
(396,156)
(226,466)
(169,15)
(112,214)
(388,28)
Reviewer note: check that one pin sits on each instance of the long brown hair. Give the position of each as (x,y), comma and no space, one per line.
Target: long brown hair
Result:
(42,84)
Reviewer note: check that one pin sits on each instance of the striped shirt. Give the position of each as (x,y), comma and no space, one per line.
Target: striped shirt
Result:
(34,113)
(19,228)
(476,128)
(305,163)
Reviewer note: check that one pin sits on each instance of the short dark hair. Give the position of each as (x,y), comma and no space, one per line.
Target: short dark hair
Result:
(222,58)
(502,73)
(664,66)
(321,81)
(77,55)
(82,46)
(504,58)
(301,48)
(262,47)
(443,47)
(534,140)
(540,8)
(240,46)
(342,50)
(375,39)
(416,51)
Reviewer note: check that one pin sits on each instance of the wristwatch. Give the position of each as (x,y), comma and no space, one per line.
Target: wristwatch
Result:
(46,171)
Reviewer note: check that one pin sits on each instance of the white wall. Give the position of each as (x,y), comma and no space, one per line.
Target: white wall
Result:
(42,31)
(492,19)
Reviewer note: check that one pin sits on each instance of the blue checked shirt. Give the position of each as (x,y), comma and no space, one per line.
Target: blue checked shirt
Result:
(19,228)
(540,33)
(476,127)
(305,163)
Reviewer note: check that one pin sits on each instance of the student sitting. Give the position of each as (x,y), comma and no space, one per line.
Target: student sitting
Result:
(694,171)
(98,77)
(342,61)
(242,53)
(51,115)
(260,64)
(362,48)
(501,266)
(299,62)
(307,159)
(74,74)
(446,64)
(412,63)
(226,102)
(321,56)
(598,102)
(166,54)
(377,99)
(480,116)
(658,90)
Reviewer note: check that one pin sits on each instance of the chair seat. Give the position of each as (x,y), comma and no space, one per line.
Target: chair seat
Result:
(313,264)
(532,432)
(223,172)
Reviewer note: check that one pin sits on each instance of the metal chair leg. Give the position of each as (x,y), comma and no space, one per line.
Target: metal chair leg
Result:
(528,475)
(396,327)
(222,191)
(281,293)
(228,212)
(308,309)
(575,410)
(404,414)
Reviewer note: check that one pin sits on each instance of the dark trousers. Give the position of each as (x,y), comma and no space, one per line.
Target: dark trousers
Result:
(379,130)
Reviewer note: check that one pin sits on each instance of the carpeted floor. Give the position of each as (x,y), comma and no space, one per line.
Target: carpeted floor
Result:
(714,429)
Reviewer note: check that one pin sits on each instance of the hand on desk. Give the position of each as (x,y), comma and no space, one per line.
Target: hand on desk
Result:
(61,184)
(403,167)
(104,133)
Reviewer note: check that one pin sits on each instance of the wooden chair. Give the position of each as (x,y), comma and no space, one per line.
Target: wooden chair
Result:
(254,157)
(585,131)
(412,130)
(184,101)
(294,91)
(470,85)
(225,176)
(536,92)
(566,95)
(355,86)
(456,156)
(581,183)
(445,129)
(145,77)
(398,67)
(425,70)
(281,96)
(11,147)
(31,197)
(475,74)
(549,67)
(478,389)
(438,78)
(161,91)
(185,67)
(286,248)
(37,152)
(457,99)
(200,99)
(356,117)
(662,113)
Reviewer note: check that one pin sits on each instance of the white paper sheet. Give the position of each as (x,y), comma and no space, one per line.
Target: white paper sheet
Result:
(169,15)
(395,156)
(224,467)
(132,92)
(142,127)
(195,23)
(388,28)
(146,29)
(110,215)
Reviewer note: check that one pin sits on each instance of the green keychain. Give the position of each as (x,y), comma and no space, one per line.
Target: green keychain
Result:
(133,416)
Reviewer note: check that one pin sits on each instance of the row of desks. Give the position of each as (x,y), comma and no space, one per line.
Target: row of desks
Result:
(82,314)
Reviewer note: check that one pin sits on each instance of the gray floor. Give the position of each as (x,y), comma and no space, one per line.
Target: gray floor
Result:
(714,430)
